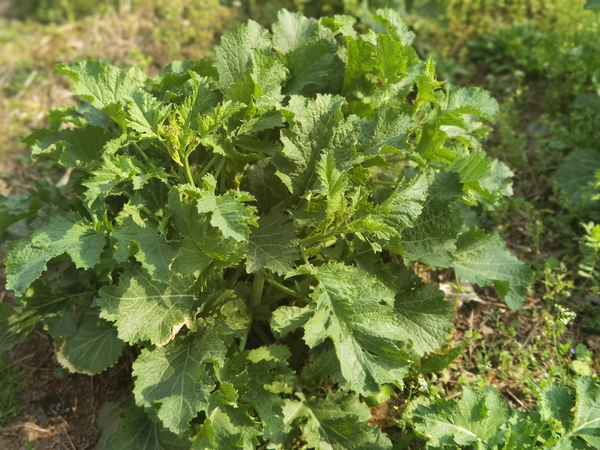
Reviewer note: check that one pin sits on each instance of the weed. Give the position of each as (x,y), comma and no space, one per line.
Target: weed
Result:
(589,267)
(554,277)
(28,445)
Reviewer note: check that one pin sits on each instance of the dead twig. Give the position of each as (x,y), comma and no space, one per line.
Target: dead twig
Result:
(68,437)
(456,394)
(14,363)
(33,426)
(530,335)
(515,398)
(471,317)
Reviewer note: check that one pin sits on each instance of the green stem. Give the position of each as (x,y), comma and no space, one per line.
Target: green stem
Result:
(257,290)
(236,275)
(320,237)
(385,183)
(138,148)
(187,172)
(208,166)
(255,297)
(353,256)
(218,176)
(537,435)
(283,288)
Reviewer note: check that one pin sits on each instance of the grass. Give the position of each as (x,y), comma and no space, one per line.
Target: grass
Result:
(10,406)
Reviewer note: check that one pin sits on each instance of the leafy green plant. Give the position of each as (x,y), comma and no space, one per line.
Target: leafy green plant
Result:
(29,447)
(592,4)
(576,179)
(247,227)
(555,278)
(10,407)
(481,420)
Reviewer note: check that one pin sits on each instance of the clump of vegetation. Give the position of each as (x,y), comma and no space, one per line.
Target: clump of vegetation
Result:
(248,227)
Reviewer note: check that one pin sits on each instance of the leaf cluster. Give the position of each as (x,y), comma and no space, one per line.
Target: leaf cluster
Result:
(481,420)
(248,226)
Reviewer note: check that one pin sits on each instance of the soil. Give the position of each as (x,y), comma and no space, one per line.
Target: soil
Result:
(75,430)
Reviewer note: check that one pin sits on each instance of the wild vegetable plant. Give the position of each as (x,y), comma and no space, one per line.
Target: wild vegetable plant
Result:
(247,228)
(481,420)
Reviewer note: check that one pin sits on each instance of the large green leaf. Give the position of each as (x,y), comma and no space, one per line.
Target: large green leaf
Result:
(337,422)
(58,308)
(151,249)
(355,311)
(323,367)
(432,239)
(312,130)
(394,25)
(144,309)
(586,423)
(377,67)
(16,208)
(204,249)
(133,429)
(120,94)
(332,184)
(229,425)
(102,85)
(175,378)
(472,100)
(115,173)
(401,209)
(387,126)
(576,177)
(234,52)
(64,233)
(228,212)
(93,348)
(484,259)
(260,376)
(81,148)
(145,114)
(423,313)
(36,203)
(273,245)
(293,30)
(383,225)
(475,417)
(268,377)
(309,52)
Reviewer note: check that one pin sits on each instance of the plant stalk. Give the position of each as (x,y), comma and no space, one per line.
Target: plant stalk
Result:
(320,237)
(208,166)
(257,290)
(141,152)
(284,289)
(187,172)
(255,298)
